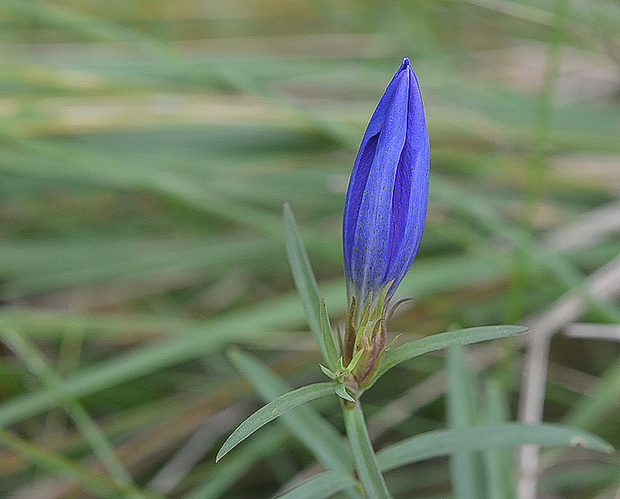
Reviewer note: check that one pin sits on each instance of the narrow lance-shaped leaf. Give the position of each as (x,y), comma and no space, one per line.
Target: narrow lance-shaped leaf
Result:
(306,424)
(307,286)
(444,442)
(271,411)
(438,341)
(331,346)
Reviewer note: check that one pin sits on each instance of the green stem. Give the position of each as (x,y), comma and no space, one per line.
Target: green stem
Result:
(363,454)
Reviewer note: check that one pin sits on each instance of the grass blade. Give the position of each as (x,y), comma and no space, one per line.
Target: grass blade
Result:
(100,445)
(465,465)
(444,442)
(498,462)
(101,486)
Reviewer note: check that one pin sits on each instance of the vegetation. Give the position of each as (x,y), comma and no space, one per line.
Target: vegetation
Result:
(147,148)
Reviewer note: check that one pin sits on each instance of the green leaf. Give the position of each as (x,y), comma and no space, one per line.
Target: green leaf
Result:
(327,372)
(272,410)
(308,288)
(321,486)
(341,391)
(445,442)
(356,358)
(442,340)
(331,346)
(305,423)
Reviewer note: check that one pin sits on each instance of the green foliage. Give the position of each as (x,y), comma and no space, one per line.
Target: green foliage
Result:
(444,442)
(443,340)
(466,466)
(321,486)
(271,411)
(308,290)
(304,422)
(365,459)
(146,150)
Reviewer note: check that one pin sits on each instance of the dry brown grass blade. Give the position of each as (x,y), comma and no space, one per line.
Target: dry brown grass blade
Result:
(603,284)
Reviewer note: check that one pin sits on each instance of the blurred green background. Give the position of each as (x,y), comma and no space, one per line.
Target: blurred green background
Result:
(146,150)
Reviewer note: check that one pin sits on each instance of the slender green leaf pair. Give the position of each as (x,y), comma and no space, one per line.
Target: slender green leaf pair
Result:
(304,394)
(290,400)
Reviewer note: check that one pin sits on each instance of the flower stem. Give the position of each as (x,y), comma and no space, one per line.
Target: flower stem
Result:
(363,454)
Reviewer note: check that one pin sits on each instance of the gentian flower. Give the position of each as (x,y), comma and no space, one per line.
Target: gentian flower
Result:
(384,219)
(387,196)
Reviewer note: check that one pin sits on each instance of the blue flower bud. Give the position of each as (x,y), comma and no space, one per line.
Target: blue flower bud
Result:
(387,197)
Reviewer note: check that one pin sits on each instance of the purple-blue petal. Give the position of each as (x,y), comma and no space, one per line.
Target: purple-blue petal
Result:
(387,197)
